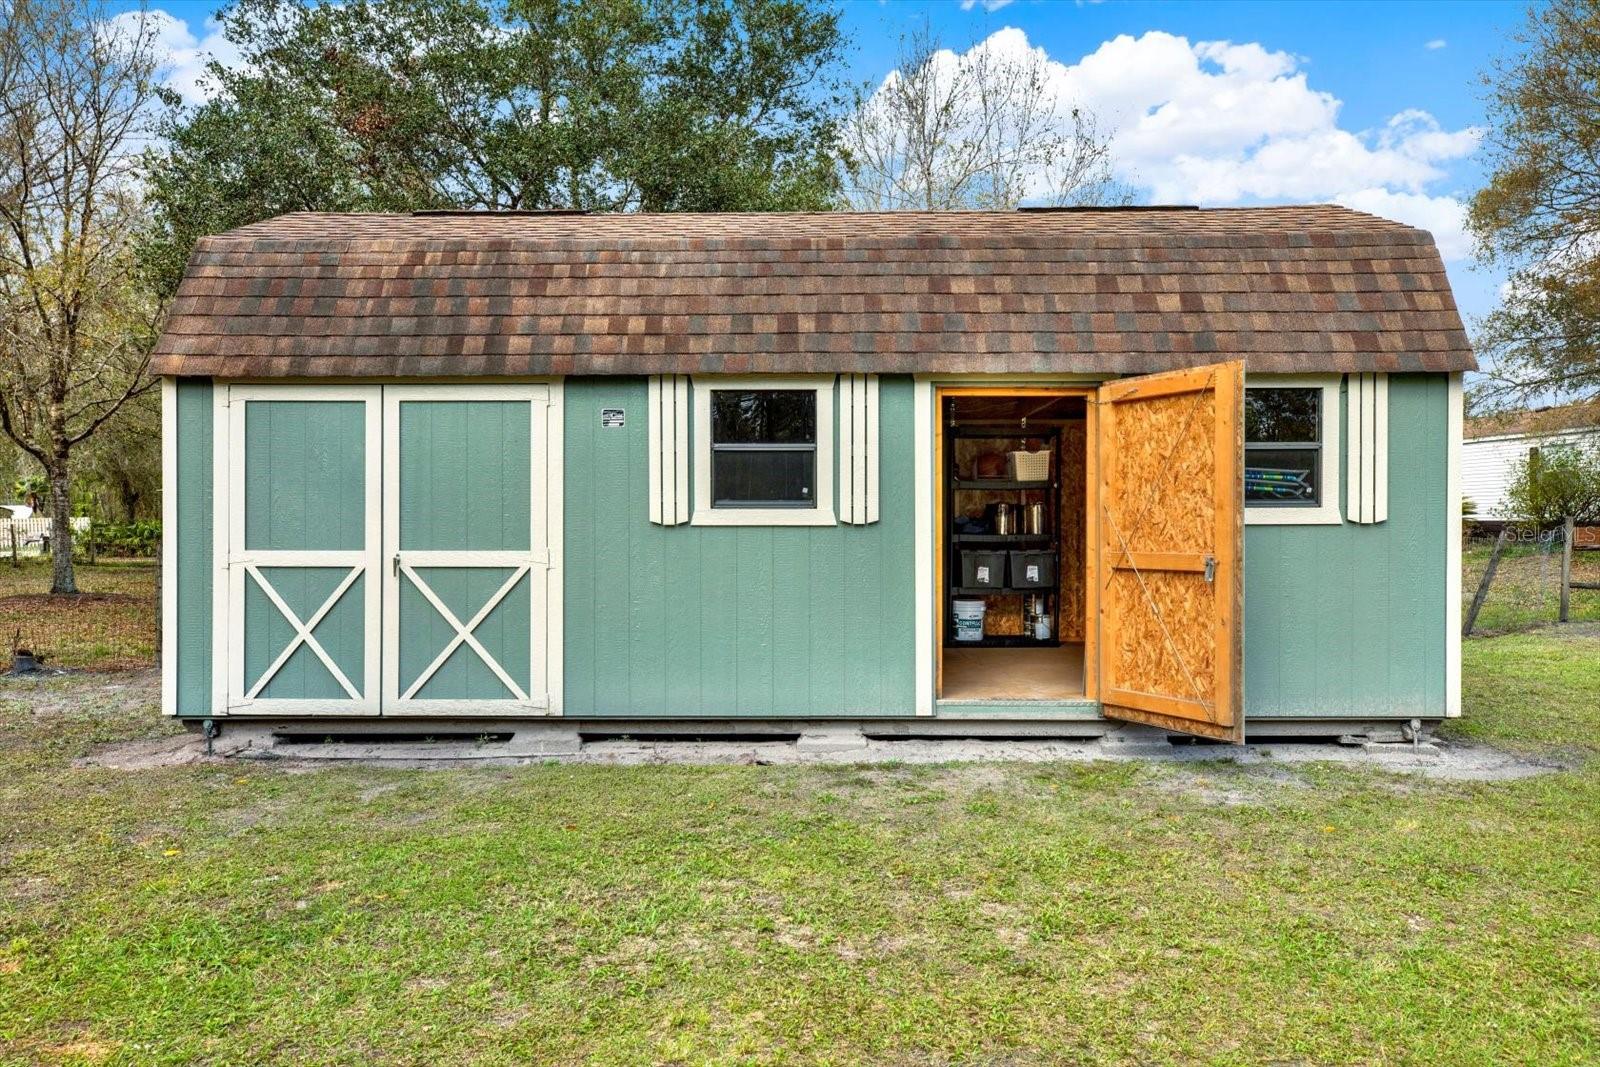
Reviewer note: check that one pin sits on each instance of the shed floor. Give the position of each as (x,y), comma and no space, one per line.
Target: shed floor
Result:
(1013,673)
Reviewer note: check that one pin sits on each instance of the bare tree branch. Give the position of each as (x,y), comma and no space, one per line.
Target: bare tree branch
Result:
(75,327)
(984,129)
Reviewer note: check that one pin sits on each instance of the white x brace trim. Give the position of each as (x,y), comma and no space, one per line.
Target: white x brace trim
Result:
(303,635)
(464,633)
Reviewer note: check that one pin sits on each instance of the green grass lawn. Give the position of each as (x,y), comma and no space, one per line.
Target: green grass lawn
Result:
(1112,912)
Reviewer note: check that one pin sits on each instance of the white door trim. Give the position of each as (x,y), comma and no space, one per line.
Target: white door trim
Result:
(235,561)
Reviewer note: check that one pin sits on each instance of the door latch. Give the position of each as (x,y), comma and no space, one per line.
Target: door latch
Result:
(1211,568)
(394,566)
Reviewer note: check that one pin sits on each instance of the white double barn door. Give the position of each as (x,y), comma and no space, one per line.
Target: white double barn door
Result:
(387,549)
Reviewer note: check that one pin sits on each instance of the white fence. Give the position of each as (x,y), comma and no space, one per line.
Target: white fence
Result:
(23,538)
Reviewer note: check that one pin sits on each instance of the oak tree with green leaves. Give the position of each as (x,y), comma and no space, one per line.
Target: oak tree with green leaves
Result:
(1539,213)
(605,105)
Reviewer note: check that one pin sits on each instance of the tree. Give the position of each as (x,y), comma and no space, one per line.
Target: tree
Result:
(605,105)
(118,475)
(74,91)
(1539,213)
(981,130)
(1554,481)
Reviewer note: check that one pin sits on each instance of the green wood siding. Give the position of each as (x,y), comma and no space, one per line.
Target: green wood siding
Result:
(191,585)
(731,621)
(1349,620)
(304,474)
(1340,621)
(464,474)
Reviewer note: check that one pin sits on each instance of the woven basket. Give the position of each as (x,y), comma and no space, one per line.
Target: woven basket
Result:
(1029,466)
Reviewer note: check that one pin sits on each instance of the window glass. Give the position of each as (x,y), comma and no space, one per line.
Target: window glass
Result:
(763,448)
(766,416)
(1278,415)
(1280,475)
(1283,446)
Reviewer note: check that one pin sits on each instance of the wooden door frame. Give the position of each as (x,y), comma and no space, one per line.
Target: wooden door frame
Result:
(1091,507)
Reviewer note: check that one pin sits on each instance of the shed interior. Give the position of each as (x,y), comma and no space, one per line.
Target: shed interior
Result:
(1014,475)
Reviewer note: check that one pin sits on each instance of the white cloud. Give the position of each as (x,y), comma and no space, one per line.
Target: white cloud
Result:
(1435,44)
(1220,122)
(183,68)
(990,6)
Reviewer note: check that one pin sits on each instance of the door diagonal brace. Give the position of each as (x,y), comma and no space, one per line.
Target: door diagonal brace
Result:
(464,633)
(303,632)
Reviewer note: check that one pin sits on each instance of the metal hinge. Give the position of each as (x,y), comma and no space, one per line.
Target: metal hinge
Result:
(1211,568)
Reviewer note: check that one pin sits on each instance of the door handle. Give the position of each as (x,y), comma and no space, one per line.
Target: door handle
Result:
(1211,568)
(394,566)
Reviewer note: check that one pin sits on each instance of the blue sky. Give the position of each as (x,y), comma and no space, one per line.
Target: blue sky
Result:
(1376,105)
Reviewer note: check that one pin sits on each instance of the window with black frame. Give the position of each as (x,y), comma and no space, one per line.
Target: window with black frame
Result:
(763,448)
(1283,447)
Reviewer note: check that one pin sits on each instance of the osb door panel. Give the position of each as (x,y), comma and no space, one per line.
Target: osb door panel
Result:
(1171,448)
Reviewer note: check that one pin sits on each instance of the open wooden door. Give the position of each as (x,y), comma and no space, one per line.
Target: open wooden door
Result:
(1171,452)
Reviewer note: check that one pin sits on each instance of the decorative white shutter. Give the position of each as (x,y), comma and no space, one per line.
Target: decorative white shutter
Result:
(1367,449)
(668,420)
(858,448)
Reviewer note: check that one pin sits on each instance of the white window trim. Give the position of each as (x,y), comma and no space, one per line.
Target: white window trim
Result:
(1327,512)
(823,513)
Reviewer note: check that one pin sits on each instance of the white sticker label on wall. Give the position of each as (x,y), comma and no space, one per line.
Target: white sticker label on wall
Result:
(612,418)
(1033,572)
(983,575)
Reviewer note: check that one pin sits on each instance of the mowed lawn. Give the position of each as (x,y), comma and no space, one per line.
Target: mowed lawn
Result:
(1117,913)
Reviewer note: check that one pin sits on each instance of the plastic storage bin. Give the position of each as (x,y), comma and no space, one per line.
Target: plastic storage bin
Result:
(1033,570)
(983,570)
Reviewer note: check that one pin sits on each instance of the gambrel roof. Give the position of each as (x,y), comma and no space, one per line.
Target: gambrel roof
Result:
(1114,291)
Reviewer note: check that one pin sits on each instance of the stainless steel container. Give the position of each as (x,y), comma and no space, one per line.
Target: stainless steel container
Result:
(1033,519)
(1005,519)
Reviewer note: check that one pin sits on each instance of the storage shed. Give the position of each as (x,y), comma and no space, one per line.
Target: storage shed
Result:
(955,472)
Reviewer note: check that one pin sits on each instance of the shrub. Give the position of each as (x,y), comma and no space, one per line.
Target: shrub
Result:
(1555,481)
(128,538)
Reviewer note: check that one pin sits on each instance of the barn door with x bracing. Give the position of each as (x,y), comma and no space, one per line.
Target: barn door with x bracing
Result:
(466,550)
(302,549)
(1171,547)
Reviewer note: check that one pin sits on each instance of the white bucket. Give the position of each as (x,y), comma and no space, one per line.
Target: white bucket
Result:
(969,619)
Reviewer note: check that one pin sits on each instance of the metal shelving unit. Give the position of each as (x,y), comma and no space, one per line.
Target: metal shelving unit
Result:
(1026,493)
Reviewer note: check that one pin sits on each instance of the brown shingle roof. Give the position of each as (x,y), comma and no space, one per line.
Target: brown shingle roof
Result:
(1287,288)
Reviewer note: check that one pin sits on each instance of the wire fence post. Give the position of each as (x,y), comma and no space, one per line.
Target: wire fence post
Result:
(1483,585)
(1566,567)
